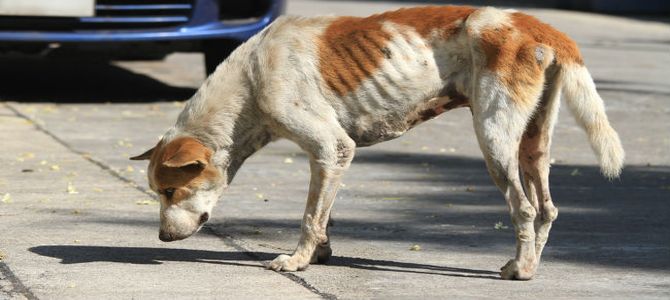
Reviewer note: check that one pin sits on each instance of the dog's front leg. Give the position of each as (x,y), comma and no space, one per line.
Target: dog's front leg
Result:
(327,170)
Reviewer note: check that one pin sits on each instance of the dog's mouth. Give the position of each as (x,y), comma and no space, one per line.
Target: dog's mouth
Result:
(168,237)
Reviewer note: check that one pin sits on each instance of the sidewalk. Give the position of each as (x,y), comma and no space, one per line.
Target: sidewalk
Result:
(78,222)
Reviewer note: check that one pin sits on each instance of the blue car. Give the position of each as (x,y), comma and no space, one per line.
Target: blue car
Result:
(132,28)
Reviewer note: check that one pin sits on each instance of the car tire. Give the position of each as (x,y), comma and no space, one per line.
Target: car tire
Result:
(216,51)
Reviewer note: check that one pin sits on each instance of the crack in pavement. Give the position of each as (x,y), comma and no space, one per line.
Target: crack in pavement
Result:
(227,239)
(17,286)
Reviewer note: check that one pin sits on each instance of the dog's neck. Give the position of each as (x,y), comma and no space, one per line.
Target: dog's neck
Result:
(223,114)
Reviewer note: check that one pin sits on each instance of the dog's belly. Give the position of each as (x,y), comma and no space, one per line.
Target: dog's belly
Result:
(371,129)
(416,80)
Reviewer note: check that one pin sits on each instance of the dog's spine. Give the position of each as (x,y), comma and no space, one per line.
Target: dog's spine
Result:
(588,108)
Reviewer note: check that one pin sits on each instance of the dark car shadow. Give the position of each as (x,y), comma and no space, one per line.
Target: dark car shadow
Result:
(80,81)
(72,254)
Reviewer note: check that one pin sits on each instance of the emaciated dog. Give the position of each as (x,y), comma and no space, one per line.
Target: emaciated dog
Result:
(331,84)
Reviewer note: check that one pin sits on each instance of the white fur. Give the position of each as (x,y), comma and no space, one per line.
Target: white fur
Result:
(589,110)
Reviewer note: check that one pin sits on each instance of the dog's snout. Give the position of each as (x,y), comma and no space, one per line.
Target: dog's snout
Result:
(204,217)
(165,236)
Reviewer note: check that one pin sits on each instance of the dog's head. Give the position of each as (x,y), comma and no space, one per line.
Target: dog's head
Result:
(182,173)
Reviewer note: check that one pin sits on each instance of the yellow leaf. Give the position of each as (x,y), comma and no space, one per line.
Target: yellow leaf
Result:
(7,198)
(146,202)
(71,189)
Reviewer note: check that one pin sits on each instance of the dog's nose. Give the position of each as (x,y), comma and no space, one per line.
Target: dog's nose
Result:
(203,218)
(165,236)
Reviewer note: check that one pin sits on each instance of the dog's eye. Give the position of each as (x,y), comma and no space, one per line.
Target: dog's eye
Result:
(168,192)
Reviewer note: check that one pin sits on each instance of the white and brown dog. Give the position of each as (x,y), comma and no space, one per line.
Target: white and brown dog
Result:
(331,84)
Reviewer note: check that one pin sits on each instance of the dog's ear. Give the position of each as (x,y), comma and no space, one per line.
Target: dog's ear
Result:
(145,155)
(186,152)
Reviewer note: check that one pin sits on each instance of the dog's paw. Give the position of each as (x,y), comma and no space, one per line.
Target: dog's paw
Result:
(321,254)
(287,263)
(514,271)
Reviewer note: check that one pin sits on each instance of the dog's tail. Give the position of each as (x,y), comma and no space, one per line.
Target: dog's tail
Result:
(588,108)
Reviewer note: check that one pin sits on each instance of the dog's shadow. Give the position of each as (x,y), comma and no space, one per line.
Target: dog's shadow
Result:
(72,254)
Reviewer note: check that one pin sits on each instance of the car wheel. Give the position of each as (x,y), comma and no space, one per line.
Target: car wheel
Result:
(216,51)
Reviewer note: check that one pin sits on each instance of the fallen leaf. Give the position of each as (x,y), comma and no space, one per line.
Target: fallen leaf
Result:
(470,189)
(7,198)
(55,168)
(76,212)
(43,162)
(259,196)
(3,255)
(71,189)
(146,202)
(575,172)
(415,248)
(97,189)
(130,169)
(288,160)
(500,226)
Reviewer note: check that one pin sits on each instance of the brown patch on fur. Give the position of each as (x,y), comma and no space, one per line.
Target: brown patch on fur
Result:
(428,114)
(520,53)
(457,99)
(352,48)
(565,48)
(512,56)
(183,164)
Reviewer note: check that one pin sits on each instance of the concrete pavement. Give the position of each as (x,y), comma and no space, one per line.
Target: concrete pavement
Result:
(78,222)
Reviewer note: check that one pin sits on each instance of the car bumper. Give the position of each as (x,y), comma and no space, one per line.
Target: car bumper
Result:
(202,25)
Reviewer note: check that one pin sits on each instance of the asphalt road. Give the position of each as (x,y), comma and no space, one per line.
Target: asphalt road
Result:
(76,220)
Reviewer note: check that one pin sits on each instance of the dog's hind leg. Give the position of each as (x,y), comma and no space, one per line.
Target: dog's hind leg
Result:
(534,160)
(499,123)
(330,150)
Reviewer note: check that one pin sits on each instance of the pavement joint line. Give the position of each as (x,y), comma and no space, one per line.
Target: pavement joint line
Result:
(227,239)
(83,154)
(230,241)
(17,286)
